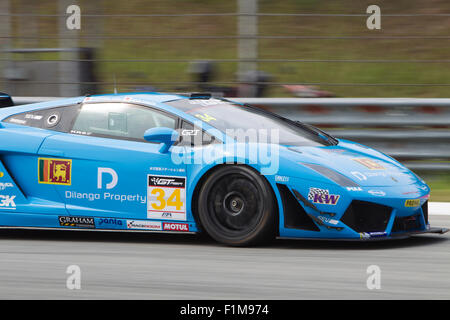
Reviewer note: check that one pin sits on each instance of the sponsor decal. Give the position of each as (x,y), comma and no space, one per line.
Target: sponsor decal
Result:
(79,222)
(354,188)
(169,226)
(1,174)
(328,220)
(410,192)
(369,163)
(377,193)
(114,178)
(281,179)
(368,235)
(377,234)
(83,133)
(33,117)
(105,196)
(55,171)
(18,121)
(412,203)
(3,186)
(205,117)
(359,175)
(144,225)
(189,132)
(166,197)
(322,196)
(110,222)
(7,202)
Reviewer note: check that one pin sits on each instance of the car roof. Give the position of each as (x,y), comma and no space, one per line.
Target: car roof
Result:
(150,98)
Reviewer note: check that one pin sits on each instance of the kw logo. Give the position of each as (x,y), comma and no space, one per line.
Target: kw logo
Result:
(55,171)
(322,196)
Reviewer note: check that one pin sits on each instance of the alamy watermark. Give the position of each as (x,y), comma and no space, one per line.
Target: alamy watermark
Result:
(374,280)
(73,281)
(374,20)
(73,21)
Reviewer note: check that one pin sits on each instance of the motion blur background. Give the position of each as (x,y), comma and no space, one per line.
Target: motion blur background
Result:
(253,48)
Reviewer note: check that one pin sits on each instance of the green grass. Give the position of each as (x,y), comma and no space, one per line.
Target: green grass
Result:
(299,72)
(440,186)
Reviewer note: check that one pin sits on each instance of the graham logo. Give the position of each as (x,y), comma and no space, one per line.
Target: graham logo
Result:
(7,202)
(82,222)
(55,171)
(369,163)
(322,196)
(412,203)
(175,227)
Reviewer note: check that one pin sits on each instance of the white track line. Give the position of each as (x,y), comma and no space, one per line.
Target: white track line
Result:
(439,208)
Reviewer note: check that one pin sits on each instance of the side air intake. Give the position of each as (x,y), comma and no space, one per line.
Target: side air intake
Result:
(295,216)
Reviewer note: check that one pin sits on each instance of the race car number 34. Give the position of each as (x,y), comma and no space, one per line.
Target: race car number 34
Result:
(166,198)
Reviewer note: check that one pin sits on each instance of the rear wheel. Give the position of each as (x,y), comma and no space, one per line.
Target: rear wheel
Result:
(236,206)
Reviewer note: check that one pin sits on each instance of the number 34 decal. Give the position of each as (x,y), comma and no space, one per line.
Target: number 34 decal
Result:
(166,198)
(173,201)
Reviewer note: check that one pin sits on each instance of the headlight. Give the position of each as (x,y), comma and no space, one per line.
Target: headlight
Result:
(340,179)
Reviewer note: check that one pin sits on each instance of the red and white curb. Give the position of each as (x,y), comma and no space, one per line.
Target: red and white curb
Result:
(439,208)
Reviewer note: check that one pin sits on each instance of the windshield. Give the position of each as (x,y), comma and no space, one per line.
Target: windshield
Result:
(230,117)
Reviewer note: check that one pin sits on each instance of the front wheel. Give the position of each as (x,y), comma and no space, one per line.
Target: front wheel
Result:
(236,206)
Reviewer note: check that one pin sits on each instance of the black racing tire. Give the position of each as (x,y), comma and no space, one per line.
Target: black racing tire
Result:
(237,207)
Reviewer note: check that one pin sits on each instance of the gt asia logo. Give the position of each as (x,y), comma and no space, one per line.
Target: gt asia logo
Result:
(161,181)
(322,196)
(3,186)
(7,201)
(164,182)
(175,227)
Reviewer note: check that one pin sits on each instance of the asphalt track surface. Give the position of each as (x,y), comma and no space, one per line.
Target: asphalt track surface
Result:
(165,266)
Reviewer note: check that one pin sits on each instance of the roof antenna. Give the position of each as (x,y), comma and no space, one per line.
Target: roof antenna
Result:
(115,84)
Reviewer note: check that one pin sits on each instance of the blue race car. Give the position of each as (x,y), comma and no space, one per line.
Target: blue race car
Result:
(156,162)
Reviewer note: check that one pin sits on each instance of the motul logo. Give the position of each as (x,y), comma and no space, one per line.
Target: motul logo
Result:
(176,227)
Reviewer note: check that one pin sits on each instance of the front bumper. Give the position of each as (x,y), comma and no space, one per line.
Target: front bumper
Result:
(405,235)
(353,217)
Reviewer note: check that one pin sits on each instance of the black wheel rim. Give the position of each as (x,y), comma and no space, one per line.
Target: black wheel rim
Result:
(235,204)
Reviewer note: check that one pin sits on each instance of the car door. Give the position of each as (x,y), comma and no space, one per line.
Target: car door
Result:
(111,171)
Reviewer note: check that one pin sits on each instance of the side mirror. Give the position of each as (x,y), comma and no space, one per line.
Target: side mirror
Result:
(163,135)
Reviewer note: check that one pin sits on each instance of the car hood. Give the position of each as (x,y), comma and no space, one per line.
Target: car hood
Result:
(361,164)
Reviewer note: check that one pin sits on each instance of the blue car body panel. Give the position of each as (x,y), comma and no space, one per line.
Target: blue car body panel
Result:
(107,184)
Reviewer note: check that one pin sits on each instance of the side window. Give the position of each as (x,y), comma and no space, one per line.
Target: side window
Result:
(56,119)
(119,120)
(193,136)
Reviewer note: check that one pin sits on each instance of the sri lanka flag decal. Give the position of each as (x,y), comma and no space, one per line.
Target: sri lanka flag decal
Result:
(55,171)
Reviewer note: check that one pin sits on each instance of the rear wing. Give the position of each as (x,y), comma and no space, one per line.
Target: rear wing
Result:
(5,100)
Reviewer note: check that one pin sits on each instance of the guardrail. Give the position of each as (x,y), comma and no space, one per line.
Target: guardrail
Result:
(414,131)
